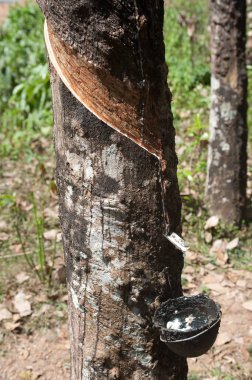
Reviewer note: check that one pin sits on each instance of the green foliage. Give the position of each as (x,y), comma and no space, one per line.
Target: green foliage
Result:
(187,56)
(187,41)
(249,349)
(26,225)
(249,103)
(193,155)
(25,103)
(220,375)
(193,377)
(205,290)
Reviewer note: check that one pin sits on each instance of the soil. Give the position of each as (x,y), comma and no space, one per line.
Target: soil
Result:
(43,355)
(231,353)
(4,8)
(38,348)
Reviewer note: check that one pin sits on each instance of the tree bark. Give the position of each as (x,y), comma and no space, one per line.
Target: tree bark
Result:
(249,32)
(113,194)
(227,157)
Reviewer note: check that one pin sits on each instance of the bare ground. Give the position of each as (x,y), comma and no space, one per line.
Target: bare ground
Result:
(36,346)
(231,354)
(4,9)
(38,350)
(42,355)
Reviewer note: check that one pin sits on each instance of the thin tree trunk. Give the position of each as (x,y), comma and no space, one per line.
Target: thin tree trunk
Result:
(249,32)
(119,264)
(226,180)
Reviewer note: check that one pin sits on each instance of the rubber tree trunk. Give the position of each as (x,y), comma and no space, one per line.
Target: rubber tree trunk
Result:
(227,156)
(119,264)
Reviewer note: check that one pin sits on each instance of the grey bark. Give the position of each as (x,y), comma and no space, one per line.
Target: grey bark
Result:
(119,264)
(226,177)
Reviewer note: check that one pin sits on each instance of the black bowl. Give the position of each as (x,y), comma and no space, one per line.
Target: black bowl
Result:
(189,325)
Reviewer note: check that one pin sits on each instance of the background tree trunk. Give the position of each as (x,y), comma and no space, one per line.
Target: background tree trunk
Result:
(226,180)
(249,32)
(119,264)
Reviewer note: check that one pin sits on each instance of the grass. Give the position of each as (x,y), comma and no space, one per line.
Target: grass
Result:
(28,225)
(193,377)
(187,56)
(249,108)
(25,132)
(217,372)
(25,103)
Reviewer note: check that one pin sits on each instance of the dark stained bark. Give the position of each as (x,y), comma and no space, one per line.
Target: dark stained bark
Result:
(226,181)
(112,197)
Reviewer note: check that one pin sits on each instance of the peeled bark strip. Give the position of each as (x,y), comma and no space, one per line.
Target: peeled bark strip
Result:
(116,103)
(226,182)
(119,264)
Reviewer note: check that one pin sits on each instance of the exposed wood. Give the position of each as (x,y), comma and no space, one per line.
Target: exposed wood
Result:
(115,102)
(226,181)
